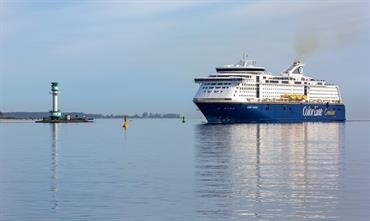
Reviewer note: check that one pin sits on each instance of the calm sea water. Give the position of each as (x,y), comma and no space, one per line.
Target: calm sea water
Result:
(166,170)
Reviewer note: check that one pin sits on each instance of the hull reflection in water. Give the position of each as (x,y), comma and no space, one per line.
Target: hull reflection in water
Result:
(284,171)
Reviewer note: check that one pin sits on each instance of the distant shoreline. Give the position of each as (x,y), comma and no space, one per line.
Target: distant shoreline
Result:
(31,120)
(41,115)
(4,120)
(19,120)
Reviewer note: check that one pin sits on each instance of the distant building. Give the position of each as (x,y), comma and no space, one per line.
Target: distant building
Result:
(154,115)
(171,115)
(145,115)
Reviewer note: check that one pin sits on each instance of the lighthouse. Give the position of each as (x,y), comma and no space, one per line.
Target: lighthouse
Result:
(55,113)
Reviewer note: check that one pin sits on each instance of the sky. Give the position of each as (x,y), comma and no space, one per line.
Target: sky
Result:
(127,57)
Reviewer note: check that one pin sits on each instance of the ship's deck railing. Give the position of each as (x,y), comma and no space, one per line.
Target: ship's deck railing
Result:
(286,100)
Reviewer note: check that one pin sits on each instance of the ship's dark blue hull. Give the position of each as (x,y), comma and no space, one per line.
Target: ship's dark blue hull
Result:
(271,112)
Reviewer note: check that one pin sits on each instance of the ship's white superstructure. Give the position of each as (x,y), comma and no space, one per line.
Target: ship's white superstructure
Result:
(244,82)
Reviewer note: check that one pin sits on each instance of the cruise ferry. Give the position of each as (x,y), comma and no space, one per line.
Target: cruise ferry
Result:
(246,93)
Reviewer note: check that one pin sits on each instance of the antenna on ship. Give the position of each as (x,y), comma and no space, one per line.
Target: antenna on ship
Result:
(243,61)
(244,56)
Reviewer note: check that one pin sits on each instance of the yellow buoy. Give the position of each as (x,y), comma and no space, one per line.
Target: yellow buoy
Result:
(125,123)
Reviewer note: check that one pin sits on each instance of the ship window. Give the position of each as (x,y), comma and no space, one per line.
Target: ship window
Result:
(219,84)
(297,82)
(213,84)
(285,82)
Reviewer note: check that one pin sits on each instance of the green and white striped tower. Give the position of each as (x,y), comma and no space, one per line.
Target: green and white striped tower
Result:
(55,114)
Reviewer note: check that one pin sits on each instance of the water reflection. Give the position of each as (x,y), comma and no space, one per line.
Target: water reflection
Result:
(286,171)
(54,164)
